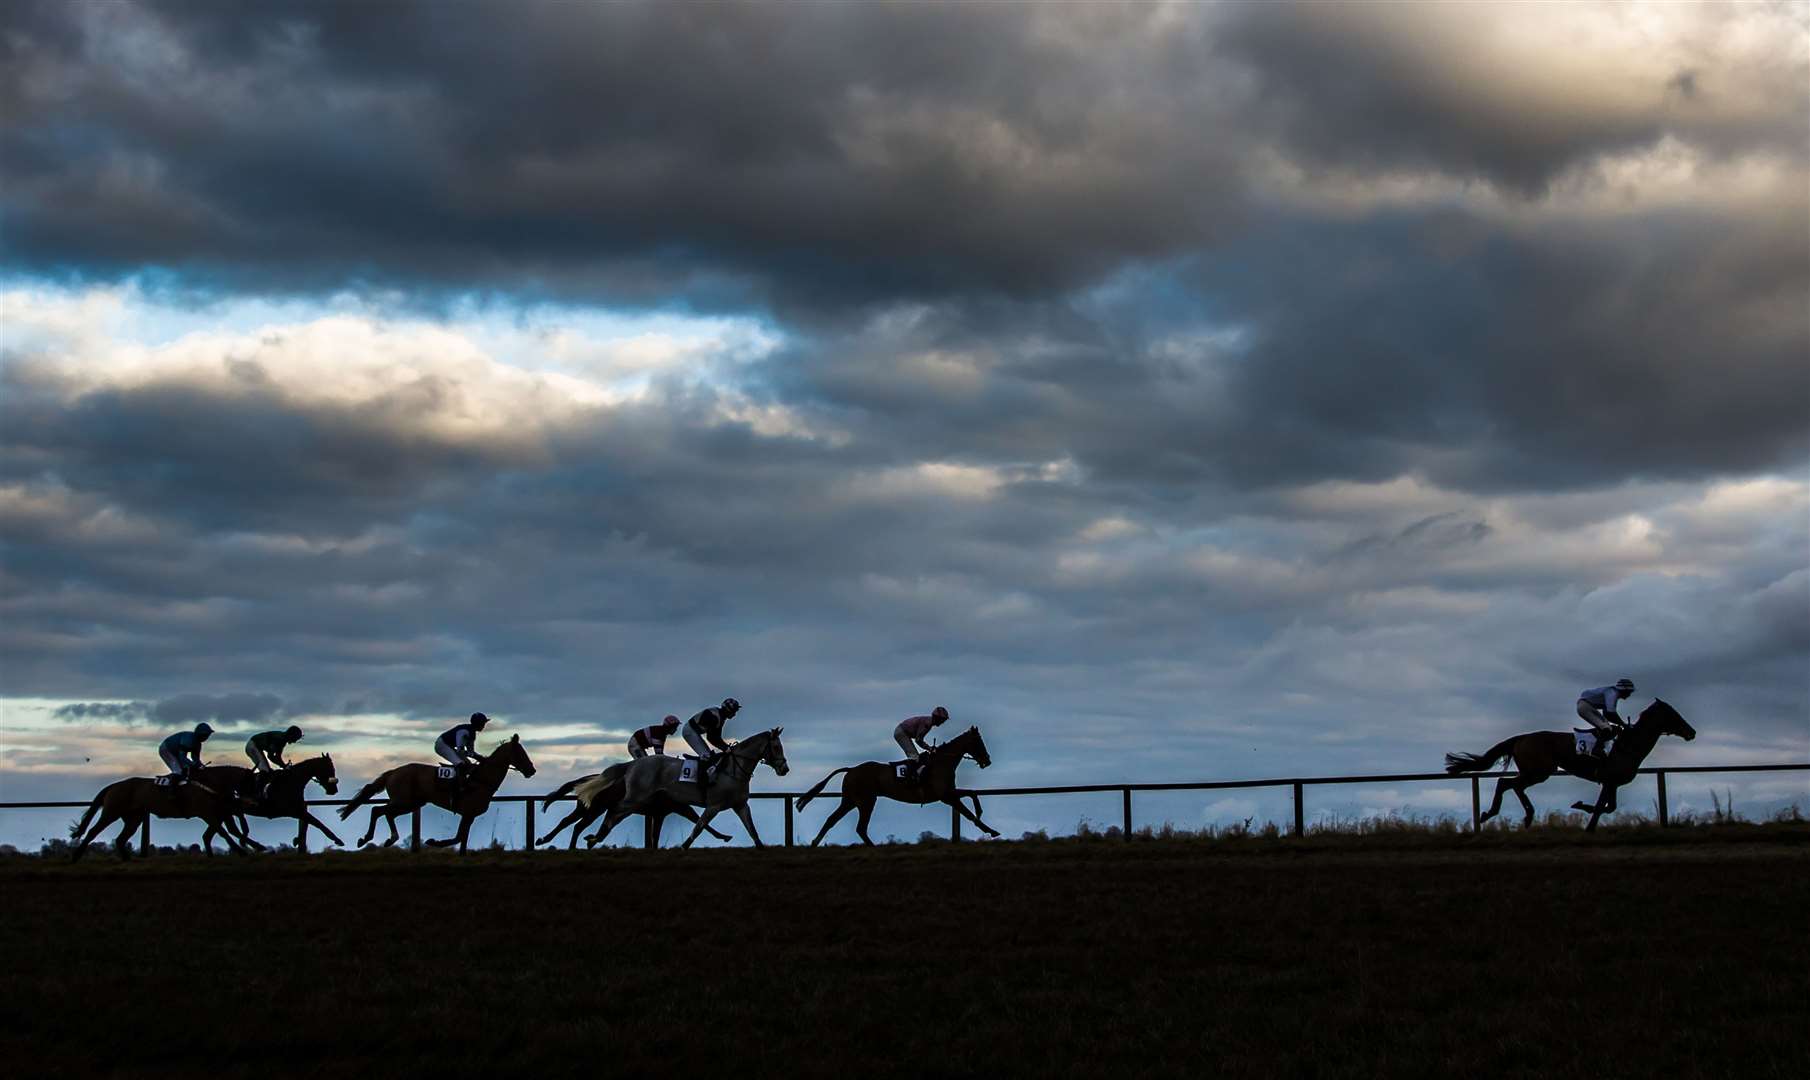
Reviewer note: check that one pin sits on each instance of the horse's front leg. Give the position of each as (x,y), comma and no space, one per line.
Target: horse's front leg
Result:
(308,819)
(956,801)
(747,816)
(1605,804)
(703,823)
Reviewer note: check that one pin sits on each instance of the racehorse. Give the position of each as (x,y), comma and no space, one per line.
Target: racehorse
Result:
(608,797)
(141,797)
(410,787)
(1538,754)
(280,798)
(645,779)
(868,781)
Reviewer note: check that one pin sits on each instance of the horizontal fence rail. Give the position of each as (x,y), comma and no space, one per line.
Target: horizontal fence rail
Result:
(1297,784)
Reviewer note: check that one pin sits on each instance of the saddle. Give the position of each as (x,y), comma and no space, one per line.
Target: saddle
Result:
(691,770)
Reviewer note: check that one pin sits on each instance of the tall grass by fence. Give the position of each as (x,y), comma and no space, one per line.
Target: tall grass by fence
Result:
(1298,785)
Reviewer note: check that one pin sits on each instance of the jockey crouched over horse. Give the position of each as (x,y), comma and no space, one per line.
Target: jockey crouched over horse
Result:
(926,776)
(1609,754)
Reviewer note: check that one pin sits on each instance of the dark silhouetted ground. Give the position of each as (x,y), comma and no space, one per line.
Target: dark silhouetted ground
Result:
(1676,953)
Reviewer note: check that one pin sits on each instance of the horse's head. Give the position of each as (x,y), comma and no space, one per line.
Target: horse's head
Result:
(774,754)
(320,770)
(515,756)
(970,744)
(1670,723)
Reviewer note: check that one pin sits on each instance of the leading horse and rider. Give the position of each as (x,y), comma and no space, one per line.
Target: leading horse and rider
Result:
(1609,752)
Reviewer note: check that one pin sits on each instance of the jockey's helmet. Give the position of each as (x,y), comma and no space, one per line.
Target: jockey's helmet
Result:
(731,706)
(203,730)
(1626,686)
(294,734)
(939,714)
(670,722)
(478,719)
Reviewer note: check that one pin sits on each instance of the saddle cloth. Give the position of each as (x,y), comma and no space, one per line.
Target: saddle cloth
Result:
(689,770)
(1586,741)
(162,781)
(902,770)
(446,772)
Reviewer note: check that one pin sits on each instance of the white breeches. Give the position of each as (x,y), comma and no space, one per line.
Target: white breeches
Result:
(447,752)
(695,739)
(173,762)
(636,750)
(905,744)
(1593,716)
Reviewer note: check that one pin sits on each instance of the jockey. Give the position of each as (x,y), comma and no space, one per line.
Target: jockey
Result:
(911,733)
(265,749)
(182,751)
(705,730)
(652,738)
(458,744)
(1596,707)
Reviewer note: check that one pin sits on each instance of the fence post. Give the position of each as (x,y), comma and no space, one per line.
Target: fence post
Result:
(415,830)
(1126,828)
(650,831)
(1476,805)
(1664,820)
(788,802)
(955,823)
(1300,828)
(144,836)
(528,843)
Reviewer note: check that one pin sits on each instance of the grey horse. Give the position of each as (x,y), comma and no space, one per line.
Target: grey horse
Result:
(647,778)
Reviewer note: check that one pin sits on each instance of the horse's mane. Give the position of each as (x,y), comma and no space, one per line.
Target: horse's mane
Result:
(950,743)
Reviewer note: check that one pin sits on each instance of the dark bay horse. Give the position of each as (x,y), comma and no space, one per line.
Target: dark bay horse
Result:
(870,780)
(646,780)
(410,787)
(283,797)
(606,799)
(133,801)
(1538,754)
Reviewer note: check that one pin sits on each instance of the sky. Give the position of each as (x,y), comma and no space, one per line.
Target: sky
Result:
(1176,391)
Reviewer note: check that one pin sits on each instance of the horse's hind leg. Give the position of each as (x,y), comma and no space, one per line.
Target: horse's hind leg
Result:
(835,816)
(131,823)
(1495,806)
(370,828)
(610,821)
(1522,783)
(107,818)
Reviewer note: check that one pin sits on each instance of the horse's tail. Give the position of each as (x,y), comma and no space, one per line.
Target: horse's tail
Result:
(587,789)
(1463,763)
(564,790)
(364,794)
(75,831)
(821,784)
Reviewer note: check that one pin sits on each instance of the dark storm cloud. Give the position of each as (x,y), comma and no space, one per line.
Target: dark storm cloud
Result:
(863,151)
(758,151)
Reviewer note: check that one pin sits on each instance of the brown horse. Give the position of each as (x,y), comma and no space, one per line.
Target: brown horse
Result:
(282,797)
(408,788)
(605,801)
(141,797)
(868,781)
(1538,754)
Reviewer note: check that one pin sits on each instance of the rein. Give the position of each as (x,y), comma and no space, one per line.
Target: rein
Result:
(735,757)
